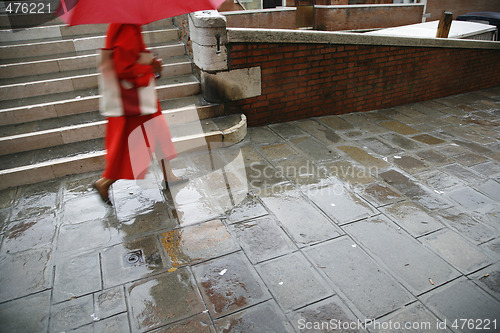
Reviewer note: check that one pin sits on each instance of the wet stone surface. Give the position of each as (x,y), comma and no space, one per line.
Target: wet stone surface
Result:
(461,299)
(303,222)
(163,299)
(341,205)
(414,265)
(262,239)
(413,218)
(323,316)
(293,281)
(335,258)
(410,164)
(229,284)
(391,214)
(265,317)
(196,243)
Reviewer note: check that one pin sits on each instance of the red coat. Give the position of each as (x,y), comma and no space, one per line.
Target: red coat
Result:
(130,141)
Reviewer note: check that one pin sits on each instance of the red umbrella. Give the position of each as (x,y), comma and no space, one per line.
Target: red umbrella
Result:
(75,12)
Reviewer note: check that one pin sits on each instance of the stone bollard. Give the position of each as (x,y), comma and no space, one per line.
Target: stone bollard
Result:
(219,84)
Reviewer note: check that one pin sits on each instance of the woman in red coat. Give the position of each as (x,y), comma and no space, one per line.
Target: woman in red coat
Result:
(130,140)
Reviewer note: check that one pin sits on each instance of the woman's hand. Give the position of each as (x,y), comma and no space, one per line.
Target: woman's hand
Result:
(157,67)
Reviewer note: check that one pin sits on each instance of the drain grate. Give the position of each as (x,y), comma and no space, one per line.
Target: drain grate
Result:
(133,258)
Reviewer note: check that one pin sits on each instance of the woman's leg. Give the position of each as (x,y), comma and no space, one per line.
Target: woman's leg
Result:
(168,174)
(102,187)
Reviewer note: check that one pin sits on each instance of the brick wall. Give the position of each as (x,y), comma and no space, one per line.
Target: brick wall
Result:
(305,80)
(333,18)
(284,18)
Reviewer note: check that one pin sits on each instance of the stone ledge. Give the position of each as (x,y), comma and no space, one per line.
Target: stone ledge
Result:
(247,35)
(259,11)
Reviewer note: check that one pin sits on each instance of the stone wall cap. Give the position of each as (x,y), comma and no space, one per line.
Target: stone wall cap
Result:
(370,5)
(208,19)
(248,35)
(259,11)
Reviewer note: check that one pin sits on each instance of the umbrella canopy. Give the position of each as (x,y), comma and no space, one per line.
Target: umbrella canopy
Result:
(75,12)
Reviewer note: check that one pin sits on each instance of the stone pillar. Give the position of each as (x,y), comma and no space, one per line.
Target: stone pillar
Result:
(210,55)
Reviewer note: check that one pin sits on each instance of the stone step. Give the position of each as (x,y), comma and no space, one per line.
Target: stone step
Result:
(176,67)
(61,135)
(81,101)
(73,63)
(208,134)
(55,29)
(93,116)
(5,24)
(51,47)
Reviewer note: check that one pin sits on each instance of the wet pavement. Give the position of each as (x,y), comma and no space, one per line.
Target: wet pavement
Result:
(379,221)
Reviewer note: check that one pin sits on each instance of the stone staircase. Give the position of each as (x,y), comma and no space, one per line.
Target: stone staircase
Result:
(50,125)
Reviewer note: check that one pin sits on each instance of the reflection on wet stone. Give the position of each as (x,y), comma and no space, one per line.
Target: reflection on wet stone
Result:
(247,209)
(229,284)
(378,146)
(110,302)
(197,324)
(450,246)
(116,324)
(469,198)
(27,314)
(163,299)
(86,235)
(410,164)
(71,314)
(28,234)
(428,139)
(469,159)
(84,208)
(467,226)
(336,259)
(363,157)
(315,149)
(286,130)
(340,204)
(35,201)
(25,273)
(400,141)
(301,171)
(325,316)
(278,151)
(301,219)
(438,180)
(293,281)
(76,276)
(415,192)
(351,173)
(265,317)
(319,131)
(399,127)
(379,195)
(115,270)
(412,218)
(262,239)
(192,244)
(414,263)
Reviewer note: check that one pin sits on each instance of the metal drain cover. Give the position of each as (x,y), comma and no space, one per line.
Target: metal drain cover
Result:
(133,258)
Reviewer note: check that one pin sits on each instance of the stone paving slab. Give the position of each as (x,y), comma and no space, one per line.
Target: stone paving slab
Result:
(229,284)
(415,266)
(293,281)
(372,283)
(384,217)
(462,303)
